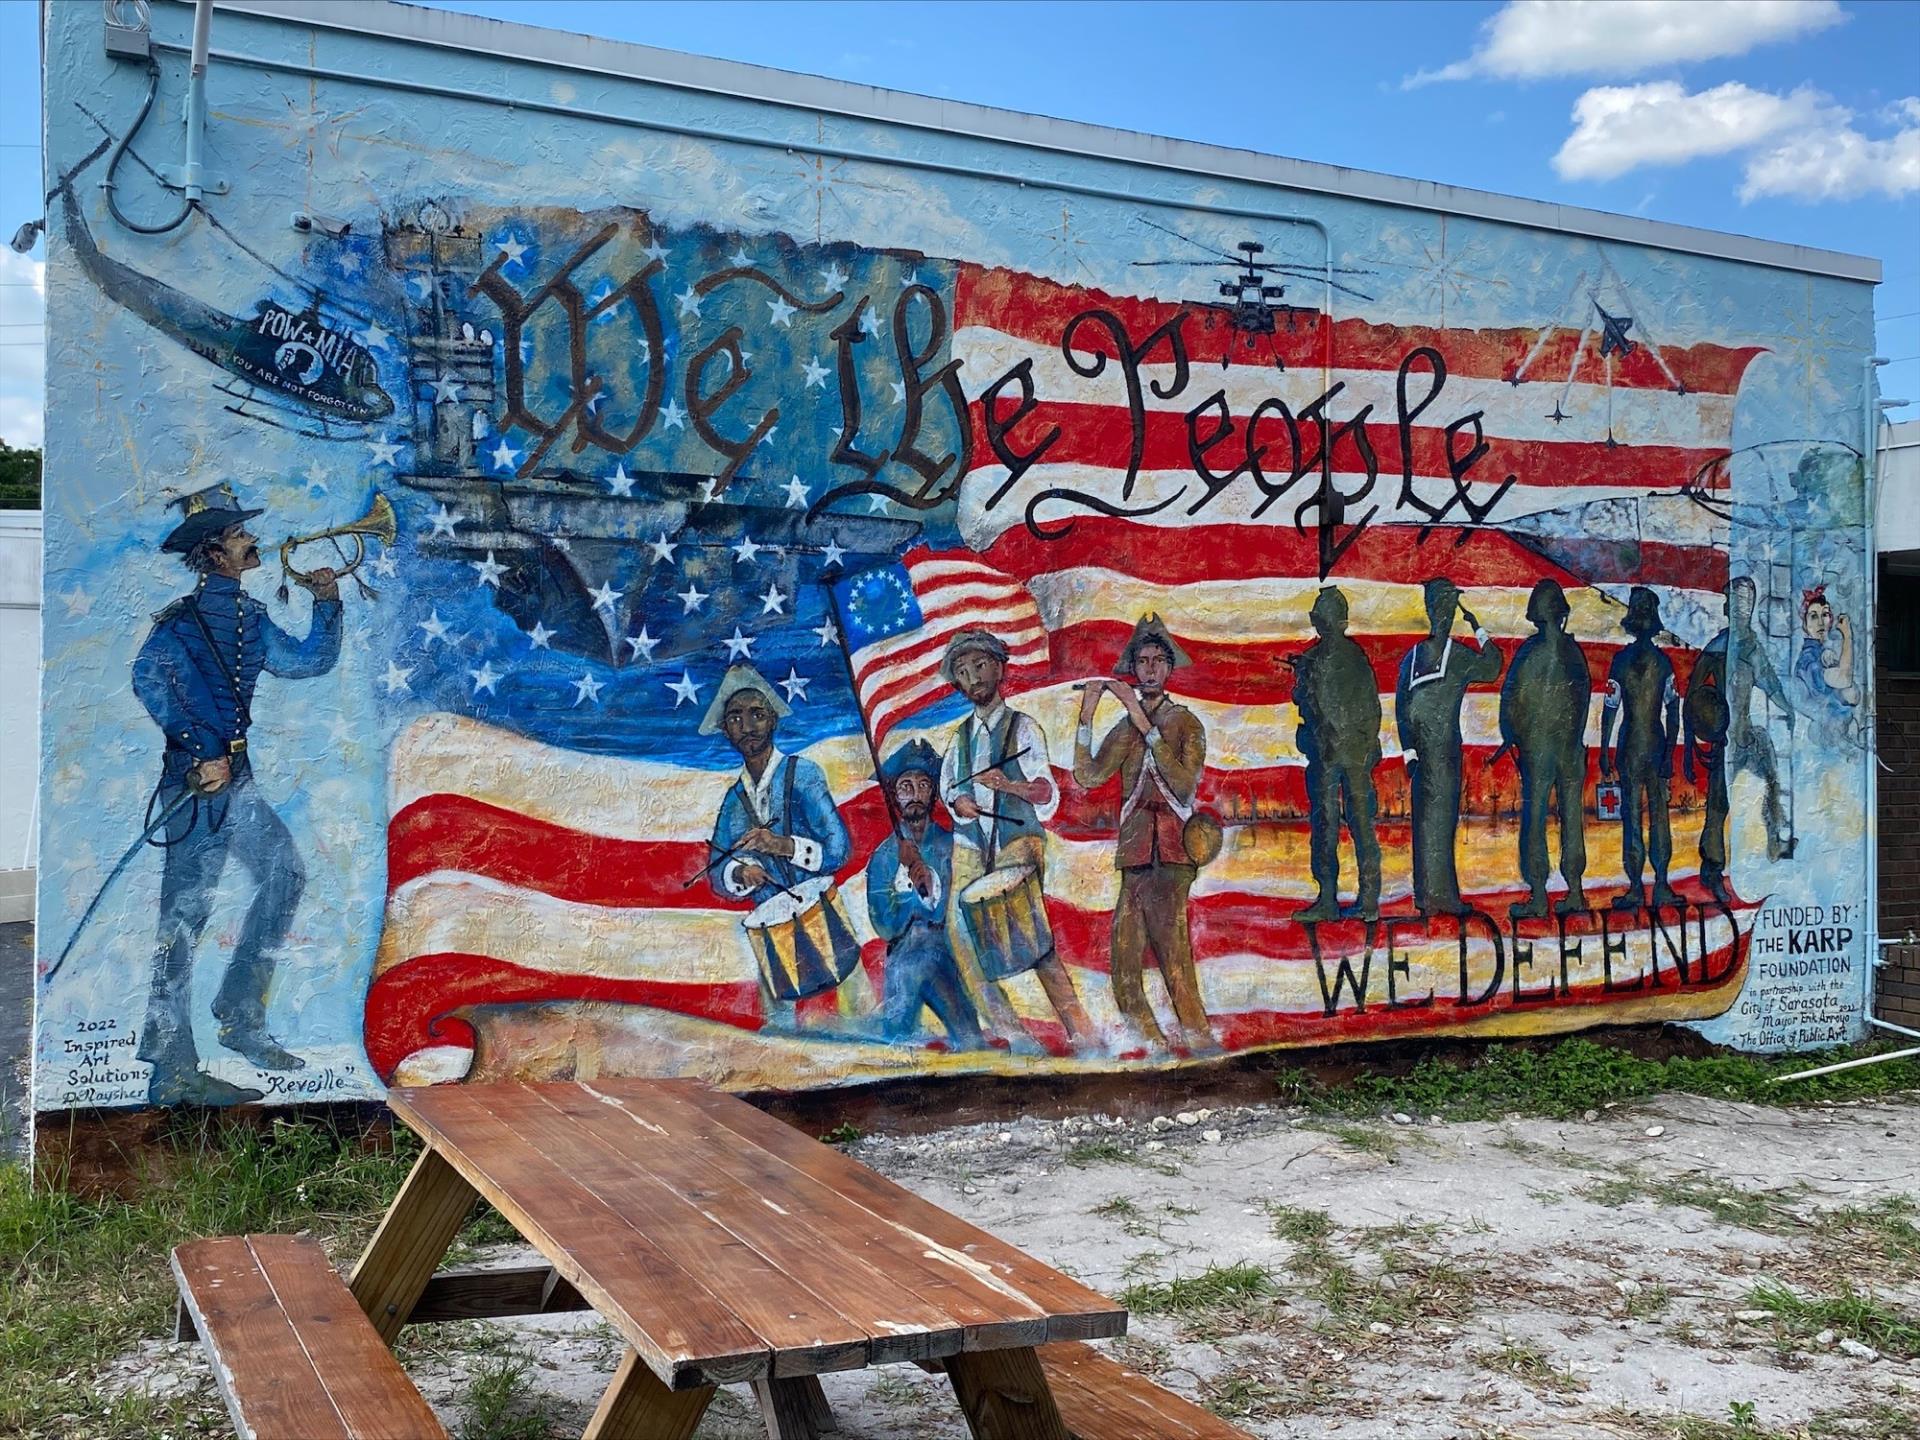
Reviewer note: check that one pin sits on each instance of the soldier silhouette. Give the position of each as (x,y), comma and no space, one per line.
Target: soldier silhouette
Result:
(1704,721)
(1749,746)
(196,674)
(1644,708)
(1339,737)
(1434,678)
(1543,717)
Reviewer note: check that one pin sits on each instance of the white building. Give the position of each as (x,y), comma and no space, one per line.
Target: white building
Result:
(19,708)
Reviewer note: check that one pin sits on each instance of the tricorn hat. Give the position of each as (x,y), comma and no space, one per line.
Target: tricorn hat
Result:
(741,676)
(969,641)
(207,512)
(916,755)
(1150,629)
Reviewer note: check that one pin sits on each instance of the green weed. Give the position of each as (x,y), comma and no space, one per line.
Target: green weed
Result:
(1218,1287)
(502,1403)
(1887,1328)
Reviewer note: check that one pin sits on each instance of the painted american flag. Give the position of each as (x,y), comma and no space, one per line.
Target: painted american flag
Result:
(543,830)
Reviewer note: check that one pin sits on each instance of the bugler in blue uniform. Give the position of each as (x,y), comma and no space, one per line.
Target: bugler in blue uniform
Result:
(196,674)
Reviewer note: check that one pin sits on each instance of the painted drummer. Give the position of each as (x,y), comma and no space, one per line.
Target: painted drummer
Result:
(997,781)
(1159,750)
(778,841)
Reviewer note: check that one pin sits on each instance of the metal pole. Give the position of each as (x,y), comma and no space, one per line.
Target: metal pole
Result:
(197,101)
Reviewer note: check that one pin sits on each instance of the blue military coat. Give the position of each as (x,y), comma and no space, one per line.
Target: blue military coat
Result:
(907,920)
(197,670)
(799,804)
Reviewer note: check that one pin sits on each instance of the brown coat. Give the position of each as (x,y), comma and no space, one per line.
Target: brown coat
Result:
(1151,834)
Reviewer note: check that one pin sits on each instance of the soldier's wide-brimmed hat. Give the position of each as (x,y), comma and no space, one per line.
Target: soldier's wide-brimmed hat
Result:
(207,513)
(740,677)
(968,642)
(1150,629)
(918,755)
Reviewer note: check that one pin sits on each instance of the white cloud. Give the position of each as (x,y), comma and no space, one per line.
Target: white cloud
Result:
(1799,146)
(1532,39)
(23,294)
(1837,162)
(1617,128)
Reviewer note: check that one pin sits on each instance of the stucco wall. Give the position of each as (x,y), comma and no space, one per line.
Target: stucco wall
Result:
(698,415)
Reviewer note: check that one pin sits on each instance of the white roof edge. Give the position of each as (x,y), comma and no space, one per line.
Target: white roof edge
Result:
(567,50)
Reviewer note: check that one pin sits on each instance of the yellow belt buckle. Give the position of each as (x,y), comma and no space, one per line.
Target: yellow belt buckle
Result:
(236,747)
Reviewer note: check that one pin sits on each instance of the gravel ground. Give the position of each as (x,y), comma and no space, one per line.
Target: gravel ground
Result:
(1399,1278)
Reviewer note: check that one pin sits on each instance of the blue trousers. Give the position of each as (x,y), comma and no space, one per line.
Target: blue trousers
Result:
(240,823)
(921,972)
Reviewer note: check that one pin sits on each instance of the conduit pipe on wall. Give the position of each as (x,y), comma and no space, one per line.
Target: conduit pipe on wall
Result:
(835,152)
(197,101)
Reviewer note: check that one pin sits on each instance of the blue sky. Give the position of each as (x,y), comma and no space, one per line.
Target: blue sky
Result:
(1794,120)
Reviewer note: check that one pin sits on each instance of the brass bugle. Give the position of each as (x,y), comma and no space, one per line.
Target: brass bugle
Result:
(378,524)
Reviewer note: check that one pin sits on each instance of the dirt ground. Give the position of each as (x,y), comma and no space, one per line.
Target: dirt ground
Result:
(1672,1268)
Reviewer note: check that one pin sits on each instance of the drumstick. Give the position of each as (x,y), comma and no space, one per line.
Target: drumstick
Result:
(720,859)
(995,766)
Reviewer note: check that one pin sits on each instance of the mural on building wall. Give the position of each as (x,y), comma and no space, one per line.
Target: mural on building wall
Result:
(799,659)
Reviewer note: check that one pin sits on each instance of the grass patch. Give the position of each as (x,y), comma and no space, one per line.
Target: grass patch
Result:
(1573,1076)
(1887,1328)
(502,1403)
(1882,1233)
(1218,1292)
(82,1281)
(1083,1153)
(1531,1364)
(1297,1225)
(1728,1204)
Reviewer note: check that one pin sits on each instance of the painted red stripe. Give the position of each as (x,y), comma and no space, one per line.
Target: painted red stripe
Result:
(1101,436)
(1393,554)
(1037,310)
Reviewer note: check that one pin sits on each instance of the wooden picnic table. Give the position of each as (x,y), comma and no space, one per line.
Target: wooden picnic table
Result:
(725,1247)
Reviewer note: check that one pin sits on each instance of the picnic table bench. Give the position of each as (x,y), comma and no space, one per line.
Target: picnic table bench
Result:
(723,1246)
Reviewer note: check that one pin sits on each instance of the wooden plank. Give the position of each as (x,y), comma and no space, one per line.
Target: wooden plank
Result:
(988,1317)
(363,1380)
(492,1292)
(263,1373)
(412,1240)
(1004,1396)
(1074,1312)
(679,1147)
(805,1332)
(788,1410)
(637,1406)
(687,1337)
(1100,1399)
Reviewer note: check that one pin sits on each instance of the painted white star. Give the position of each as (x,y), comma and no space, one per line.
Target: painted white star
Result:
(782,312)
(739,259)
(620,483)
(833,553)
(912,277)
(816,373)
(78,602)
(446,391)
(827,631)
(444,520)
(349,262)
(384,565)
(767,439)
(587,688)
(512,249)
(833,277)
(662,548)
(375,337)
(709,488)
(422,283)
(684,689)
(689,301)
(490,570)
(899,391)
(773,602)
(673,417)
(655,250)
(485,678)
(795,685)
(385,451)
(606,597)
(870,322)
(316,479)
(690,598)
(739,647)
(876,504)
(540,635)
(505,457)
(796,494)
(643,644)
(746,549)
(396,679)
(435,627)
